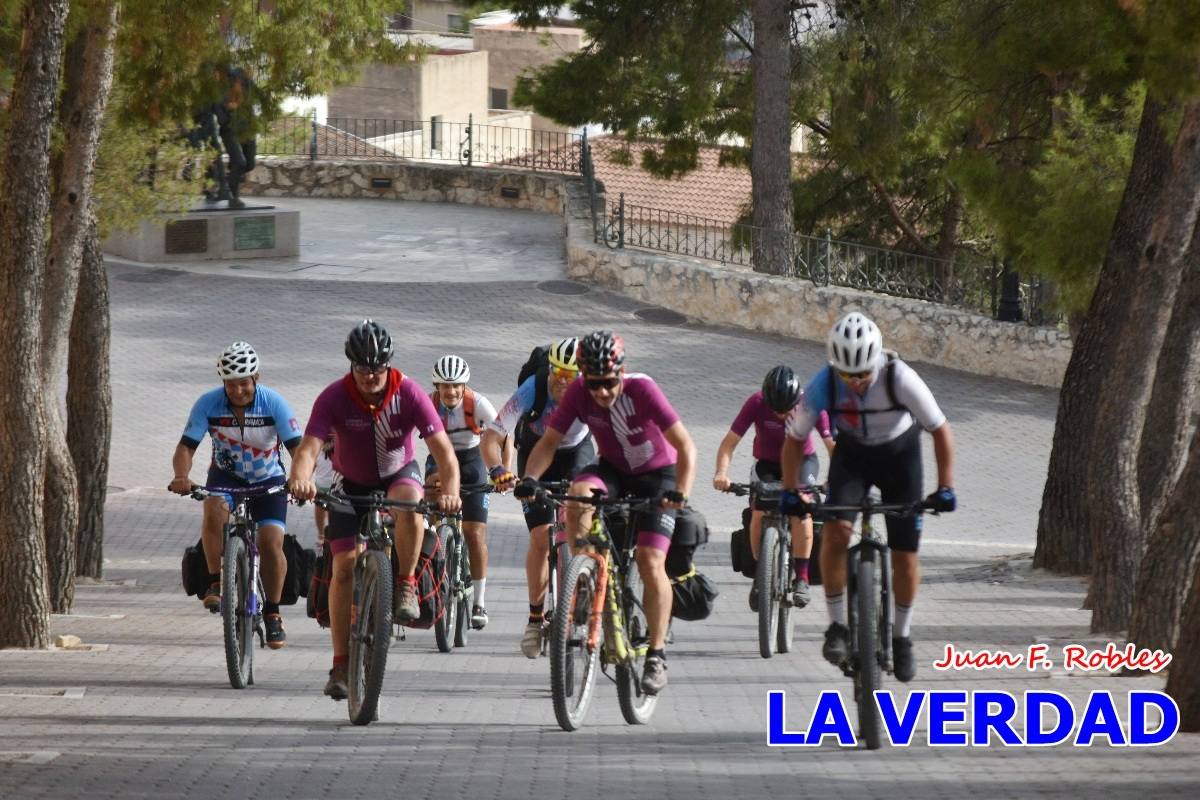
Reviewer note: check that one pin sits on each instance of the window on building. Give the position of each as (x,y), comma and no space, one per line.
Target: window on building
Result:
(435,133)
(499,97)
(456,22)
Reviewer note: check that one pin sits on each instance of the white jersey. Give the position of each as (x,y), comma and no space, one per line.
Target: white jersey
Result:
(871,418)
(455,421)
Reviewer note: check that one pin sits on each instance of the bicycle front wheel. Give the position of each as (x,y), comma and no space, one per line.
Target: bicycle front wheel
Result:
(768,583)
(370,634)
(636,706)
(443,629)
(868,675)
(785,629)
(461,597)
(237,618)
(572,665)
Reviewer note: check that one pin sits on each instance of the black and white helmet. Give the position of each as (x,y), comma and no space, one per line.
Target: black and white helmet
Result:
(451,369)
(369,345)
(854,344)
(237,361)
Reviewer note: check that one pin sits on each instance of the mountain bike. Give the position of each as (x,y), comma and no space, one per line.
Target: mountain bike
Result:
(242,593)
(868,607)
(600,620)
(776,624)
(559,557)
(452,629)
(371,599)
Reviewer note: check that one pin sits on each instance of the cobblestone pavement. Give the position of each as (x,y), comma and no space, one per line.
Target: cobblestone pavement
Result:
(149,714)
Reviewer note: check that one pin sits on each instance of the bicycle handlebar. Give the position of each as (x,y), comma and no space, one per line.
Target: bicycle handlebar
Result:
(379,501)
(601,501)
(199,492)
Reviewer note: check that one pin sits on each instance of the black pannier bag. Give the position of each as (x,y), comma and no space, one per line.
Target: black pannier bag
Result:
(300,563)
(195,570)
(740,556)
(431,579)
(814,561)
(318,588)
(693,593)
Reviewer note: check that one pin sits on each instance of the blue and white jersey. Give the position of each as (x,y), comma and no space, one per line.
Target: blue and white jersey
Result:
(519,405)
(248,449)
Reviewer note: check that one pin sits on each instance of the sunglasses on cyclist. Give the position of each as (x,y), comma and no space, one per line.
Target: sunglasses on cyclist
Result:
(564,374)
(854,376)
(363,369)
(596,384)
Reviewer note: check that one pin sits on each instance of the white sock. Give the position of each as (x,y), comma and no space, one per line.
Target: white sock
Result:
(903,621)
(835,604)
(480,585)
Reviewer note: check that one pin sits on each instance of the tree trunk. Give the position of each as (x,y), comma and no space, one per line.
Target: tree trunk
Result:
(1175,398)
(88,79)
(89,403)
(24,209)
(1065,523)
(1165,578)
(771,145)
(947,246)
(1118,536)
(1183,681)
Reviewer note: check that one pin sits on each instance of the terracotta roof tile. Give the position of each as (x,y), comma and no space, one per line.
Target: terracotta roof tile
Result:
(720,193)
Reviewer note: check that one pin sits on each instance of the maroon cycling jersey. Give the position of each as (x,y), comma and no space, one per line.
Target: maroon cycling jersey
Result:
(629,435)
(373,442)
(769,429)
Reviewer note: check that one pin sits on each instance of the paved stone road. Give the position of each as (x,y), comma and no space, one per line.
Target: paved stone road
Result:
(156,718)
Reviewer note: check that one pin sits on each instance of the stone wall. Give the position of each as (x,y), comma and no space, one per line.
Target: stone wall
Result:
(920,331)
(436,183)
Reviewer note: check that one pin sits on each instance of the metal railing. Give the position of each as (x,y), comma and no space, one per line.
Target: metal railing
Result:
(970,284)
(468,143)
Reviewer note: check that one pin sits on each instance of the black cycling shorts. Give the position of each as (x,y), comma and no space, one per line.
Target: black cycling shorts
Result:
(343,524)
(471,472)
(567,462)
(653,529)
(894,468)
(771,471)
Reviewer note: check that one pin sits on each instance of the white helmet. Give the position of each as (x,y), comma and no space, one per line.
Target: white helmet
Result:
(237,361)
(854,344)
(451,369)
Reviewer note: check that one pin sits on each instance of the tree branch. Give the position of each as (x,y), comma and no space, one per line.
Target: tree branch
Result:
(903,224)
(740,38)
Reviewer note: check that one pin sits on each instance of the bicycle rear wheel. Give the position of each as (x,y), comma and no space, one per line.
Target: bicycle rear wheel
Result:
(768,583)
(636,706)
(443,629)
(237,620)
(370,634)
(572,666)
(461,597)
(868,675)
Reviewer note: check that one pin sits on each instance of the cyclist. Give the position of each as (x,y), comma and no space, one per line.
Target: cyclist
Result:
(878,405)
(645,451)
(767,410)
(373,412)
(574,450)
(246,422)
(464,413)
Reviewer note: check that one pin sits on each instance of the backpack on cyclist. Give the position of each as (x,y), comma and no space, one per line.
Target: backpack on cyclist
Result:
(538,364)
(693,593)
(889,383)
(195,570)
(431,580)
(318,587)
(468,403)
(300,563)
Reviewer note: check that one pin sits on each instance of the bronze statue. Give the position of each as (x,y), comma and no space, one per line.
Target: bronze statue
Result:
(226,127)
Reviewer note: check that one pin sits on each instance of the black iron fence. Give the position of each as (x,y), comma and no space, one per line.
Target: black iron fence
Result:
(978,286)
(970,284)
(469,143)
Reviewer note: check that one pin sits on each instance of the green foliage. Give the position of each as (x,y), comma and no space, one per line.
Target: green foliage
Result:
(653,69)
(142,171)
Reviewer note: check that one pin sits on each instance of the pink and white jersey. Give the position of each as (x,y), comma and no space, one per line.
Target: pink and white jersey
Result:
(629,434)
(373,443)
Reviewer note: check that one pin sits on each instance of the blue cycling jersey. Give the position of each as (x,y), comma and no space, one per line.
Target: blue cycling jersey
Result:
(519,405)
(248,449)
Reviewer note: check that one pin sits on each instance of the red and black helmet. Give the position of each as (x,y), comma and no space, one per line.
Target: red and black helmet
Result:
(601,352)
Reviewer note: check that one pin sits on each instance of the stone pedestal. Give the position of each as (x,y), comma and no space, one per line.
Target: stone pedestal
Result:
(202,234)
